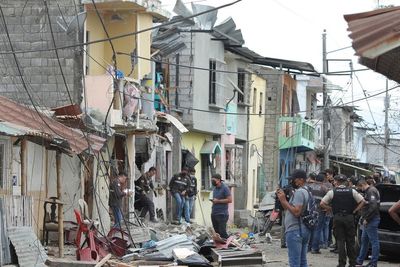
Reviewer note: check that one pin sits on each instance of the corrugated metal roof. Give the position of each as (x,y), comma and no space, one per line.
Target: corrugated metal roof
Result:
(375,32)
(376,39)
(27,246)
(21,119)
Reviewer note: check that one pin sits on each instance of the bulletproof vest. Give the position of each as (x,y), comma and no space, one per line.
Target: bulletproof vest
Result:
(343,201)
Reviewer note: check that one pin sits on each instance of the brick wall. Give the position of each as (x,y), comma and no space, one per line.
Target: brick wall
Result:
(28,26)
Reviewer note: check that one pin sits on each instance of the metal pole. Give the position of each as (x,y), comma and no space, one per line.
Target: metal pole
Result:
(325,118)
(60,207)
(385,151)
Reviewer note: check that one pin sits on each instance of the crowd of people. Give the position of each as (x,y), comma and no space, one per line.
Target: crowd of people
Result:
(342,204)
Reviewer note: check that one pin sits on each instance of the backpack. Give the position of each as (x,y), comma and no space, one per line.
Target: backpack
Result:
(310,215)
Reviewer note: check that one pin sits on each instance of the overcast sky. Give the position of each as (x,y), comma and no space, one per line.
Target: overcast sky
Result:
(292,29)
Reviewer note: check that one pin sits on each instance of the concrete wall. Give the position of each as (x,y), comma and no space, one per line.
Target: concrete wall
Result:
(29,30)
(255,144)
(375,151)
(193,142)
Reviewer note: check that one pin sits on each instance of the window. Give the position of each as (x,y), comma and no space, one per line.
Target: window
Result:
(212,99)
(261,103)
(255,100)
(209,166)
(349,132)
(241,85)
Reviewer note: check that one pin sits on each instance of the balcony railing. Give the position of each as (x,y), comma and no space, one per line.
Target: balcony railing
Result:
(296,132)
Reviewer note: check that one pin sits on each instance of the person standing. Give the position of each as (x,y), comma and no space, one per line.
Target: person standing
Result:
(178,187)
(191,194)
(344,203)
(143,186)
(221,198)
(297,234)
(394,211)
(116,195)
(370,220)
(318,190)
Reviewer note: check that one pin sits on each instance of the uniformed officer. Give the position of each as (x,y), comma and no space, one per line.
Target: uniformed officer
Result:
(178,186)
(143,186)
(344,203)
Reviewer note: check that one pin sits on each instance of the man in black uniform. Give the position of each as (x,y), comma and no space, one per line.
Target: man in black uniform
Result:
(178,186)
(370,220)
(191,193)
(344,203)
(143,185)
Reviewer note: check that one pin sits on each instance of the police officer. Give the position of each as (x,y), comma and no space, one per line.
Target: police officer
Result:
(143,186)
(179,186)
(344,203)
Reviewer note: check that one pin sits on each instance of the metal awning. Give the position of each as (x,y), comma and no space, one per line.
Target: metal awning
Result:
(210,147)
(174,121)
(354,167)
(376,40)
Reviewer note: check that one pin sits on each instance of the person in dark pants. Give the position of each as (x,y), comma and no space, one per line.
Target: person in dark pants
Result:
(345,202)
(318,190)
(191,193)
(116,195)
(179,186)
(143,186)
(221,198)
(370,220)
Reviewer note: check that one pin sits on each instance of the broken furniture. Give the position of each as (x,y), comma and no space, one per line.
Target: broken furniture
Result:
(237,257)
(50,220)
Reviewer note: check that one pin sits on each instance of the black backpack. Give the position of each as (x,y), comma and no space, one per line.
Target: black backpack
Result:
(310,215)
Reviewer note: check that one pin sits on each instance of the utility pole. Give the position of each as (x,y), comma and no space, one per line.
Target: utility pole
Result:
(387,104)
(325,117)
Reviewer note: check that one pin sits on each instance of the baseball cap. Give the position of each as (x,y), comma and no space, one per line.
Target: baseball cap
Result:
(340,177)
(298,174)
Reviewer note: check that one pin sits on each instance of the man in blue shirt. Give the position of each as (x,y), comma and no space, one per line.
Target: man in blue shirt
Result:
(221,198)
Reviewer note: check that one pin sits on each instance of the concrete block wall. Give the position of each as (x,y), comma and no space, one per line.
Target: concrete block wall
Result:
(28,26)
(186,76)
(273,106)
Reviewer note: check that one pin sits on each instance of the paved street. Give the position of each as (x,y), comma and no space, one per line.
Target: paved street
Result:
(277,257)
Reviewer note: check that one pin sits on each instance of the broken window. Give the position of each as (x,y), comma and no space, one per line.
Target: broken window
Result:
(234,164)
(255,100)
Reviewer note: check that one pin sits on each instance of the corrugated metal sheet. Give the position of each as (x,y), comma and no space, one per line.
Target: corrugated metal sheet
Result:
(376,39)
(375,32)
(18,115)
(27,246)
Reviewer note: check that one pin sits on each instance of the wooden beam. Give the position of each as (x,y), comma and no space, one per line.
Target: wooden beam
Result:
(23,166)
(60,207)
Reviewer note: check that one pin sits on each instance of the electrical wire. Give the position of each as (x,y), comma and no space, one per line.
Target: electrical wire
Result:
(126,34)
(56,51)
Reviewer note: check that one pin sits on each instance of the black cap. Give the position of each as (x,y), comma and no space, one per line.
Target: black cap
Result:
(298,174)
(340,177)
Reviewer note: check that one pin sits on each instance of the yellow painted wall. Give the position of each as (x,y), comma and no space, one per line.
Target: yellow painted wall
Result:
(193,142)
(256,138)
(103,53)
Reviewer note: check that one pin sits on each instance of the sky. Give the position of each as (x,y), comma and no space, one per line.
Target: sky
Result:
(292,30)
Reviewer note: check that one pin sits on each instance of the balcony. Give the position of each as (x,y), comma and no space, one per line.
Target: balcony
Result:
(296,132)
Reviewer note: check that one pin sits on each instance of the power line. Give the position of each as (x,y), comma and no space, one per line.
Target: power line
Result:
(56,51)
(171,22)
